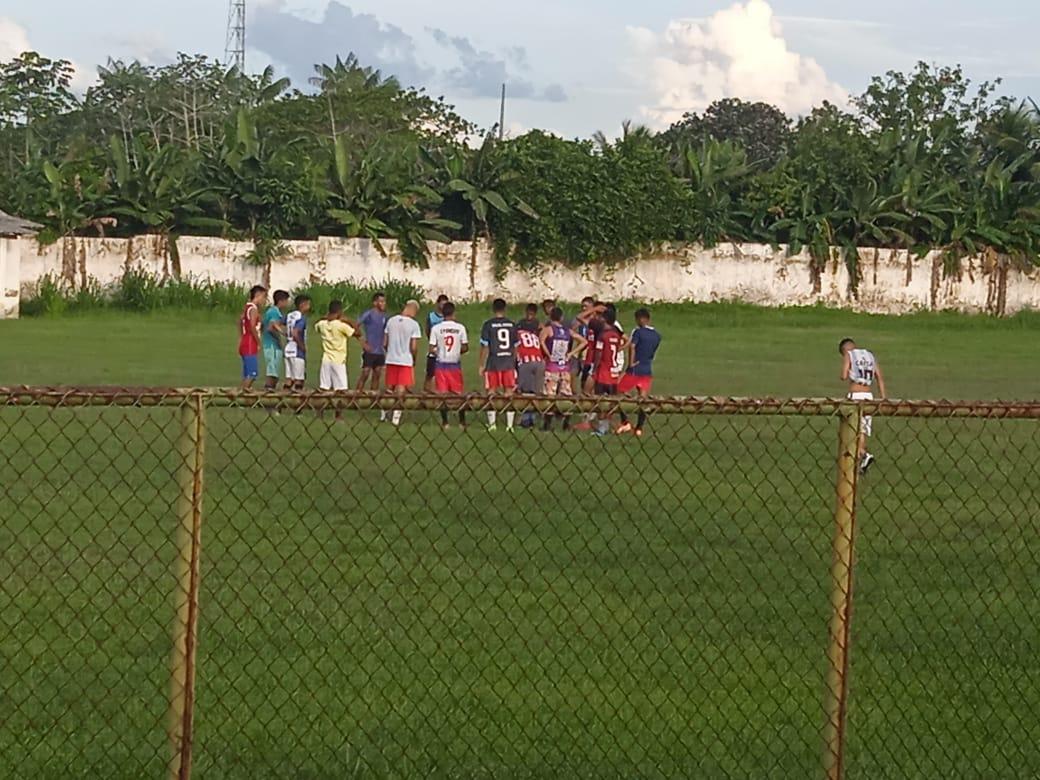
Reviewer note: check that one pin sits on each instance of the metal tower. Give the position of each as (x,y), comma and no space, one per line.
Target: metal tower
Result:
(235,44)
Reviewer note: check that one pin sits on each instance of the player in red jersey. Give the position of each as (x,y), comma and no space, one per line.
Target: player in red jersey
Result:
(249,335)
(609,361)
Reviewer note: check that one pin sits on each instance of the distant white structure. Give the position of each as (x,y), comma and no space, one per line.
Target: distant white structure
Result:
(12,231)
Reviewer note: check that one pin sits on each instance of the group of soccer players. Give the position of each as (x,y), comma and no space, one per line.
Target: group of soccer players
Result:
(544,353)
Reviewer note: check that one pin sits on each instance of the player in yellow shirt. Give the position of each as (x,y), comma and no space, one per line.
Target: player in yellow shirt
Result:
(335,332)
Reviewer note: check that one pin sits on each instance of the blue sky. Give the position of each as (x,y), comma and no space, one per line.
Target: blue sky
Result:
(573,66)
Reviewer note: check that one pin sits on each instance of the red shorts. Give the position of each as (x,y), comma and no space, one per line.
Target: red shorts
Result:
(630,382)
(400,376)
(448,380)
(493,380)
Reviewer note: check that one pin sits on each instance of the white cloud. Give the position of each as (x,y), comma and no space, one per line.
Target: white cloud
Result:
(739,52)
(13,39)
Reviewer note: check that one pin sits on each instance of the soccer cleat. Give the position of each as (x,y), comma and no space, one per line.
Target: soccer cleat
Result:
(599,432)
(866,463)
(492,429)
(624,428)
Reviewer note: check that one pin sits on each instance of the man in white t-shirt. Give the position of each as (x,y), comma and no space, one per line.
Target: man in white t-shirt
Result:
(449,341)
(401,343)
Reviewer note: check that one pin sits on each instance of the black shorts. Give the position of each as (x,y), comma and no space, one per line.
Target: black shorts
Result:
(602,389)
(431,365)
(586,370)
(372,360)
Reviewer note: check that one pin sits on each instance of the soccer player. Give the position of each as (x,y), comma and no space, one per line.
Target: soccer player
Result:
(642,348)
(401,344)
(547,306)
(296,343)
(335,333)
(249,335)
(530,359)
(448,343)
(498,340)
(273,328)
(373,322)
(609,362)
(581,324)
(560,345)
(433,318)
(859,369)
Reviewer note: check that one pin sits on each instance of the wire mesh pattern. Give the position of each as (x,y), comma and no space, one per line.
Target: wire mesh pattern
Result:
(268,585)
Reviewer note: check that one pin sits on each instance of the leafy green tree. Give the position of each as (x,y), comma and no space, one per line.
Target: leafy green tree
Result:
(763,131)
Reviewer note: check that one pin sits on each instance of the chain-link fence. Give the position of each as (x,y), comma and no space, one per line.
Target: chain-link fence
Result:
(272,586)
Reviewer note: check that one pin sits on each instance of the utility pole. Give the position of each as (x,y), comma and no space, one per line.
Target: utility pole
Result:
(502,116)
(235,43)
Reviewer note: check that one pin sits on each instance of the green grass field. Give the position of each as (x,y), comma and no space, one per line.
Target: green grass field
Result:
(380,603)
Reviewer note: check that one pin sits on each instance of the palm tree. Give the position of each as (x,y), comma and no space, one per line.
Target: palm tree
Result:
(348,79)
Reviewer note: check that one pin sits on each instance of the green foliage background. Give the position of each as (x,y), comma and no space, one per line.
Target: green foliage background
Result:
(921,160)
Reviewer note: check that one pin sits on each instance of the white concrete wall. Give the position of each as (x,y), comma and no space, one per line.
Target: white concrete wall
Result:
(892,281)
(10,277)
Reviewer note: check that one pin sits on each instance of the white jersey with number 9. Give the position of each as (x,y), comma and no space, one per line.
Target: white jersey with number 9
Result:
(447,339)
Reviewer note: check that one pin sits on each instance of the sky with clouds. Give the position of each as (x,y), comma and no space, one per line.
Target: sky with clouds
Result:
(571,66)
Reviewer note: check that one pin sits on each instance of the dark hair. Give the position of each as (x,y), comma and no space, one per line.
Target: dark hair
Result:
(279,296)
(549,302)
(588,299)
(335,307)
(642,314)
(377,296)
(448,309)
(841,346)
(256,291)
(442,298)
(556,314)
(610,314)
(300,300)
(498,306)
(532,307)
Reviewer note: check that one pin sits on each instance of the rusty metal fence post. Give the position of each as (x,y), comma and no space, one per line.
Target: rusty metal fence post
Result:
(190,452)
(842,560)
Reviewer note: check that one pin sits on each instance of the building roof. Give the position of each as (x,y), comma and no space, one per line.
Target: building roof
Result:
(15,226)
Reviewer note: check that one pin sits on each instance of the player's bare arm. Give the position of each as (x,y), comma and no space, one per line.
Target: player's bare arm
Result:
(482,367)
(544,337)
(846,368)
(880,380)
(579,342)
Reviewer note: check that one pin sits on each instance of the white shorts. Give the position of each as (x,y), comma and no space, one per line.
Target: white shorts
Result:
(333,376)
(295,369)
(867,425)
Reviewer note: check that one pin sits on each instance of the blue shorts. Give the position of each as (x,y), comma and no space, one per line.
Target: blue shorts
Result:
(250,367)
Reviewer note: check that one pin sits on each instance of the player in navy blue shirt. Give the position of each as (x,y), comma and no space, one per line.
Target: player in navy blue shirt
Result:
(642,348)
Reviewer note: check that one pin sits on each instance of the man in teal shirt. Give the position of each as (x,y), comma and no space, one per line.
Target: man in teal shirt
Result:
(272,328)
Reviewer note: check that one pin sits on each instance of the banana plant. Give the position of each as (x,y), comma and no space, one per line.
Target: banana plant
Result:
(160,193)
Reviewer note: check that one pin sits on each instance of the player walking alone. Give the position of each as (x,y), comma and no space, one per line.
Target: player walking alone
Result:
(860,369)
(498,339)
